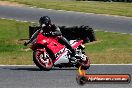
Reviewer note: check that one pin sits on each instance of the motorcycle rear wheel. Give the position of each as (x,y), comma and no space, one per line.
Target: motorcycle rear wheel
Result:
(85,64)
(41,62)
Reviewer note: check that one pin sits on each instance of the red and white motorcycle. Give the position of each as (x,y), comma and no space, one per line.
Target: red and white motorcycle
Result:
(48,52)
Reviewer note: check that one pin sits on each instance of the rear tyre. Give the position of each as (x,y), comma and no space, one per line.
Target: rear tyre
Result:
(42,60)
(85,64)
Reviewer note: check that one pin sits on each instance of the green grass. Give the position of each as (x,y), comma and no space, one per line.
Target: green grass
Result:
(12,50)
(111,48)
(113,8)
(114,48)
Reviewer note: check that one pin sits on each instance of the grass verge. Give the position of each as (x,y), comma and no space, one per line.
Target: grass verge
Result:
(12,50)
(111,48)
(112,8)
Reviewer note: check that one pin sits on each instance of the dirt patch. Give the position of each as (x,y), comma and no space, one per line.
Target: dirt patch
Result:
(94,42)
(7,3)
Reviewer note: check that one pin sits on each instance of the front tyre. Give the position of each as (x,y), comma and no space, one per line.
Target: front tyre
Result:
(42,60)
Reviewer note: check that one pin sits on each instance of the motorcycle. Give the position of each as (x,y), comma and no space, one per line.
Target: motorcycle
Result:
(49,52)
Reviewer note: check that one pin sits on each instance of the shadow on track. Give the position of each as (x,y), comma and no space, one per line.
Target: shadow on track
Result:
(24,69)
(37,69)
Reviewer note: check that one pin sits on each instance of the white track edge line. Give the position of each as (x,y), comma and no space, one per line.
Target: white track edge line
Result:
(16,20)
(117,16)
(91,64)
(35,22)
(111,64)
(18,65)
(36,7)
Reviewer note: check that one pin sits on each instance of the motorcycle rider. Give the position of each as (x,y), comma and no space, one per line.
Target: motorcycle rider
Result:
(49,29)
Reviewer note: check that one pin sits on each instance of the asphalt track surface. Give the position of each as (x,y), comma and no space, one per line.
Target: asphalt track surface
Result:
(32,77)
(63,18)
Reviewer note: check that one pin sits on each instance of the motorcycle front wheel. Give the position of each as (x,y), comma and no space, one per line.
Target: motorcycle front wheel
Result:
(42,60)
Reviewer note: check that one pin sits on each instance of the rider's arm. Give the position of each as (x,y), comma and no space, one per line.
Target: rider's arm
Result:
(33,37)
(57,31)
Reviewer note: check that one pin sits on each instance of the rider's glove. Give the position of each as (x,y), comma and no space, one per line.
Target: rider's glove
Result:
(51,33)
(48,33)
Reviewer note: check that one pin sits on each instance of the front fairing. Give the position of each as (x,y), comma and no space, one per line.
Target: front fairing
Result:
(38,42)
(41,39)
(50,42)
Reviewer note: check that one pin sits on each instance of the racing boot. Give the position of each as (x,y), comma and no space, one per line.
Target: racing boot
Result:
(73,60)
(73,57)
